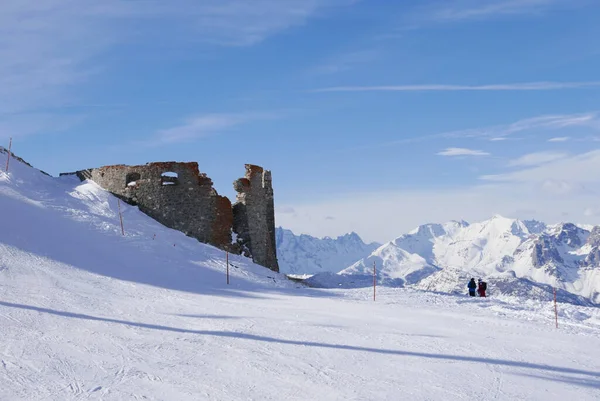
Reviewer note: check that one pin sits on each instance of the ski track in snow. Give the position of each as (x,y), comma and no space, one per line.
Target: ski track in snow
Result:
(87,314)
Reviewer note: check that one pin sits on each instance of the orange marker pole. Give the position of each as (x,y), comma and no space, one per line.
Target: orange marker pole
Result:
(555,310)
(374,279)
(120,216)
(227,261)
(8,156)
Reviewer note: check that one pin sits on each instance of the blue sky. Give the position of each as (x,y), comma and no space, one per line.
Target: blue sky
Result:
(374,116)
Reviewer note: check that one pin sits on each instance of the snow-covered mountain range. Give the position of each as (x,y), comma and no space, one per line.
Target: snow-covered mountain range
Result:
(304,254)
(525,258)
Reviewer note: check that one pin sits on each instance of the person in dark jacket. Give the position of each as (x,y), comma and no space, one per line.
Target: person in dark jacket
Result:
(481,287)
(472,286)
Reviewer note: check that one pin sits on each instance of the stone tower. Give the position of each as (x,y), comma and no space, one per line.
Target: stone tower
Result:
(254,216)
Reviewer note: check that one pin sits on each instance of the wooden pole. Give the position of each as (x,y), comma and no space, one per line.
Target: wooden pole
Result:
(8,156)
(374,279)
(555,309)
(227,261)
(120,216)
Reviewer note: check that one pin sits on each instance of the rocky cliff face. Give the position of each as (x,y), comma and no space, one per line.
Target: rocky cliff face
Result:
(545,252)
(592,260)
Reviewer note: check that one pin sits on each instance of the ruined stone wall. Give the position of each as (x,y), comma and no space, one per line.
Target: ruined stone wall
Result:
(254,216)
(180,197)
(175,194)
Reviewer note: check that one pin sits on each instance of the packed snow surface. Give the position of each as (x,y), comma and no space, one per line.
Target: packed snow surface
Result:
(87,313)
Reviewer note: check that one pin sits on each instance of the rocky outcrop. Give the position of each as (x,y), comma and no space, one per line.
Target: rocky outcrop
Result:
(594,238)
(544,252)
(593,257)
(179,196)
(569,234)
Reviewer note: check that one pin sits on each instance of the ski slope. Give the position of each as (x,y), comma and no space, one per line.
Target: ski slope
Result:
(86,313)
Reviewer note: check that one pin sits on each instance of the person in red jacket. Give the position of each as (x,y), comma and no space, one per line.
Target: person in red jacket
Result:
(481,287)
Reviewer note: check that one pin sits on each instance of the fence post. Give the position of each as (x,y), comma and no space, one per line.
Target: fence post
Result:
(374,279)
(8,155)
(555,309)
(227,261)
(120,216)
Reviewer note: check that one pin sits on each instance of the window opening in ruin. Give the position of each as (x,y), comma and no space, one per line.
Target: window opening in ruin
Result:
(169,178)
(131,179)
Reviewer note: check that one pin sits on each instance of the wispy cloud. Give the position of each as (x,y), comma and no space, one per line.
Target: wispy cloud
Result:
(541,125)
(536,159)
(560,173)
(204,125)
(479,9)
(559,139)
(546,122)
(49,49)
(525,86)
(19,125)
(547,192)
(462,152)
(346,61)
(242,23)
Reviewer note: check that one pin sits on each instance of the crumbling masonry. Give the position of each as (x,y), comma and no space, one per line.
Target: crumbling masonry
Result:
(180,197)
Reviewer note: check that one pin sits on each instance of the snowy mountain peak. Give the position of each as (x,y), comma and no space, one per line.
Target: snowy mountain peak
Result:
(534,226)
(434,229)
(350,237)
(515,254)
(305,254)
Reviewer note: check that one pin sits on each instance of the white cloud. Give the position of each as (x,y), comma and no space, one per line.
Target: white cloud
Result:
(575,170)
(462,152)
(591,212)
(370,216)
(50,48)
(285,210)
(540,125)
(242,22)
(204,125)
(546,192)
(559,139)
(478,9)
(589,120)
(536,159)
(525,86)
(19,125)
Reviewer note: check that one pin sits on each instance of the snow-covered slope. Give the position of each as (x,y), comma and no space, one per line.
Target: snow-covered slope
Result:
(304,254)
(521,258)
(86,313)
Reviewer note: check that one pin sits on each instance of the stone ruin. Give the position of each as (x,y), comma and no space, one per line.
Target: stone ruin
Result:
(179,196)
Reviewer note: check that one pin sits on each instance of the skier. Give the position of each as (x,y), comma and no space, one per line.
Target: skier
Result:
(472,286)
(482,286)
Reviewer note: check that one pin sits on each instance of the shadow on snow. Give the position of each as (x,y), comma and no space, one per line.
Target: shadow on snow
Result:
(591,381)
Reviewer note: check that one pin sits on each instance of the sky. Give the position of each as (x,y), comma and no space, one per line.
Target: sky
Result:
(373,116)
